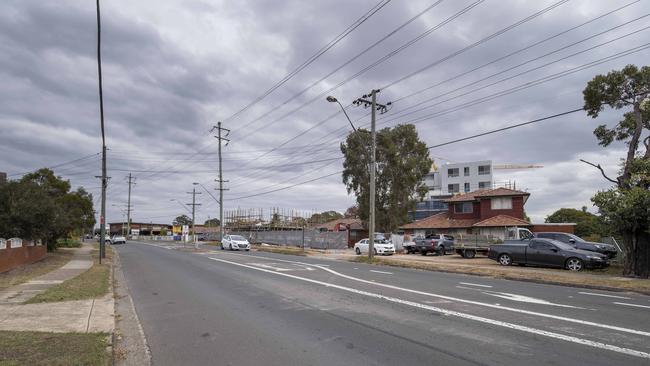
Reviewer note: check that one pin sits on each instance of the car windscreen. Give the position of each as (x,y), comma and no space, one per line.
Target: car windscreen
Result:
(562,245)
(237,237)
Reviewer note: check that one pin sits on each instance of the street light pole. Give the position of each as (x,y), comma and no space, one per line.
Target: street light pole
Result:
(373,137)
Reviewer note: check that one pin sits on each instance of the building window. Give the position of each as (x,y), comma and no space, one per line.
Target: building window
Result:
(463,207)
(466,171)
(483,169)
(484,185)
(453,188)
(504,203)
(453,172)
(466,187)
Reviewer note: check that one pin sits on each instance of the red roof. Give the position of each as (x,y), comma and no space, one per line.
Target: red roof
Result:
(440,221)
(502,220)
(497,192)
(352,223)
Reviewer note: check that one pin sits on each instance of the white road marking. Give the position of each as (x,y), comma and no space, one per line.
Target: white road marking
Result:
(494,306)
(372,270)
(522,328)
(635,305)
(520,298)
(603,295)
(474,284)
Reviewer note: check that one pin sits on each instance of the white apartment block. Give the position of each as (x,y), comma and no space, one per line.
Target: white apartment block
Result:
(459,178)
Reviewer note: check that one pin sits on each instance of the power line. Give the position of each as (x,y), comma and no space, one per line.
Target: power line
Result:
(60,164)
(315,56)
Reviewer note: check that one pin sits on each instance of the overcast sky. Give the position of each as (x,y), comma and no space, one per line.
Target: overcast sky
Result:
(173,69)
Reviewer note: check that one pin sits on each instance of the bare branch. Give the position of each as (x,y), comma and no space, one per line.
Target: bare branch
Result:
(601,171)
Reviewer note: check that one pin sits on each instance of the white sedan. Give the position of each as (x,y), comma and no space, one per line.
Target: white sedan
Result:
(235,242)
(118,239)
(381,246)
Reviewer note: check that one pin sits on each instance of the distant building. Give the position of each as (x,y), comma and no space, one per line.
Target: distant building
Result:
(3,177)
(354,228)
(454,178)
(143,228)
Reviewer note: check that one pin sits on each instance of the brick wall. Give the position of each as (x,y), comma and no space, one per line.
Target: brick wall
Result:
(11,258)
(550,228)
(517,209)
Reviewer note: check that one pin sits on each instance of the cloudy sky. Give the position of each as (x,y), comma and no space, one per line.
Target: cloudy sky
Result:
(173,69)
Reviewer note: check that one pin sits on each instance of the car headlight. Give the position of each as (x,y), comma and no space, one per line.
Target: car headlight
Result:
(594,257)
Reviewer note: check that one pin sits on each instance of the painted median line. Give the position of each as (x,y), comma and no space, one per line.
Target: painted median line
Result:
(634,305)
(604,295)
(522,328)
(474,284)
(494,306)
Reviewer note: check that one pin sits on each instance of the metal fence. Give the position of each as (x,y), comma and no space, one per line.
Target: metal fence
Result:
(299,238)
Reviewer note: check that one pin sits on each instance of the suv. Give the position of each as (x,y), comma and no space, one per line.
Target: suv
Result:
(579,243)
(440,244)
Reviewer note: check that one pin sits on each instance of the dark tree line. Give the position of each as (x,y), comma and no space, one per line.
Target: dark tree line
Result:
(41,206)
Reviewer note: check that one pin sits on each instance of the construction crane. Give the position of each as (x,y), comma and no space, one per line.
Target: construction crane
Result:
(516,166)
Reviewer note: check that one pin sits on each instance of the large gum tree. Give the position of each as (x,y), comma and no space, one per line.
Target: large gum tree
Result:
(626,206)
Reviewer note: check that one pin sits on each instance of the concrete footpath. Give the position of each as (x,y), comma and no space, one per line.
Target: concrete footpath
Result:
(82,316)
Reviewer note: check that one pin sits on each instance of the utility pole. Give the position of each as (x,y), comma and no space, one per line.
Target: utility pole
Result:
(220,180)
(128,206)
(194,204)
(373,147)
(102,215)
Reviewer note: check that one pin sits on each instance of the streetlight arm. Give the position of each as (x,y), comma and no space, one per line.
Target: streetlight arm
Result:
(346,115)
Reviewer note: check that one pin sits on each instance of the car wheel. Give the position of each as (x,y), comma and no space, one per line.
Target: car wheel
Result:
(247,250)
(222,248)
(442,250)
(469,254)
(574,264)
(358,251)
(505,260)
(423,252)
(230,247)
(374,251)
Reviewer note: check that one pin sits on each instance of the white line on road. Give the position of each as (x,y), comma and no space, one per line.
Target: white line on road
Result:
(372,270)
(603,295)
(519,298)
(522,328)
(494,306)
(474,284)
(635,305)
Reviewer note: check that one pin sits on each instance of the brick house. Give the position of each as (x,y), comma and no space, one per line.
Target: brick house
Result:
(482,212)
(353,226)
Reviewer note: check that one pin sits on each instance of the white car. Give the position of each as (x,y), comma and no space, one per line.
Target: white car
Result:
(118,239)
(235,242)
(381,246)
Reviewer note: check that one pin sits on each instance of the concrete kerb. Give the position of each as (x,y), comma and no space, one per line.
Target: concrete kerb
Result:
(130,345)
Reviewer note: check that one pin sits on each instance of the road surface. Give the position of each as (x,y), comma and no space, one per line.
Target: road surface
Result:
(255,308)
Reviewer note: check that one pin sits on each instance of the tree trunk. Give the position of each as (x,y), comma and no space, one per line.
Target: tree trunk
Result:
(637,254)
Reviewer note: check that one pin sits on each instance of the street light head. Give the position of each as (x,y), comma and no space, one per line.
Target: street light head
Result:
(195,183)
(331,99)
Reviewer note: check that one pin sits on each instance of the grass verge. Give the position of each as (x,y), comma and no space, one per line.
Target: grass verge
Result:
(68,243)
(90,284)
(53,349)
(597,279)
(52,261)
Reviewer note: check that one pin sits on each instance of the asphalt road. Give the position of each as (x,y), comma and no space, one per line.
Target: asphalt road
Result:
(254,308)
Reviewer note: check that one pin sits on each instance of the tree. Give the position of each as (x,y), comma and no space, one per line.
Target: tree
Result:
(182,220)
(352,212)
(323,217)
(402,162)
(587,224)
(212,222)
(625,206)
(41,206)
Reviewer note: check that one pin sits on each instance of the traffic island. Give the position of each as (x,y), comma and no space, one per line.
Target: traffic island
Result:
(596,279)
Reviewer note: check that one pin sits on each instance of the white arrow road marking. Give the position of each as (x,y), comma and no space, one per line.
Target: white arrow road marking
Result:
(635,305)
(519,298)
(494,322)
(474,284)
(478,303)
(603,295)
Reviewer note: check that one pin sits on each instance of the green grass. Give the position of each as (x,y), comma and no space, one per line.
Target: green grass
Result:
(52,261)
(282,250)
(53,349)
(68,243)
(90,284)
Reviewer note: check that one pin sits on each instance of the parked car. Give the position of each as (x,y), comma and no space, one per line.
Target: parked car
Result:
(547,253)
(440,244)
(107,239)
(579,243)
(235,242)
(380,246)
(118,239)
(409,246)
